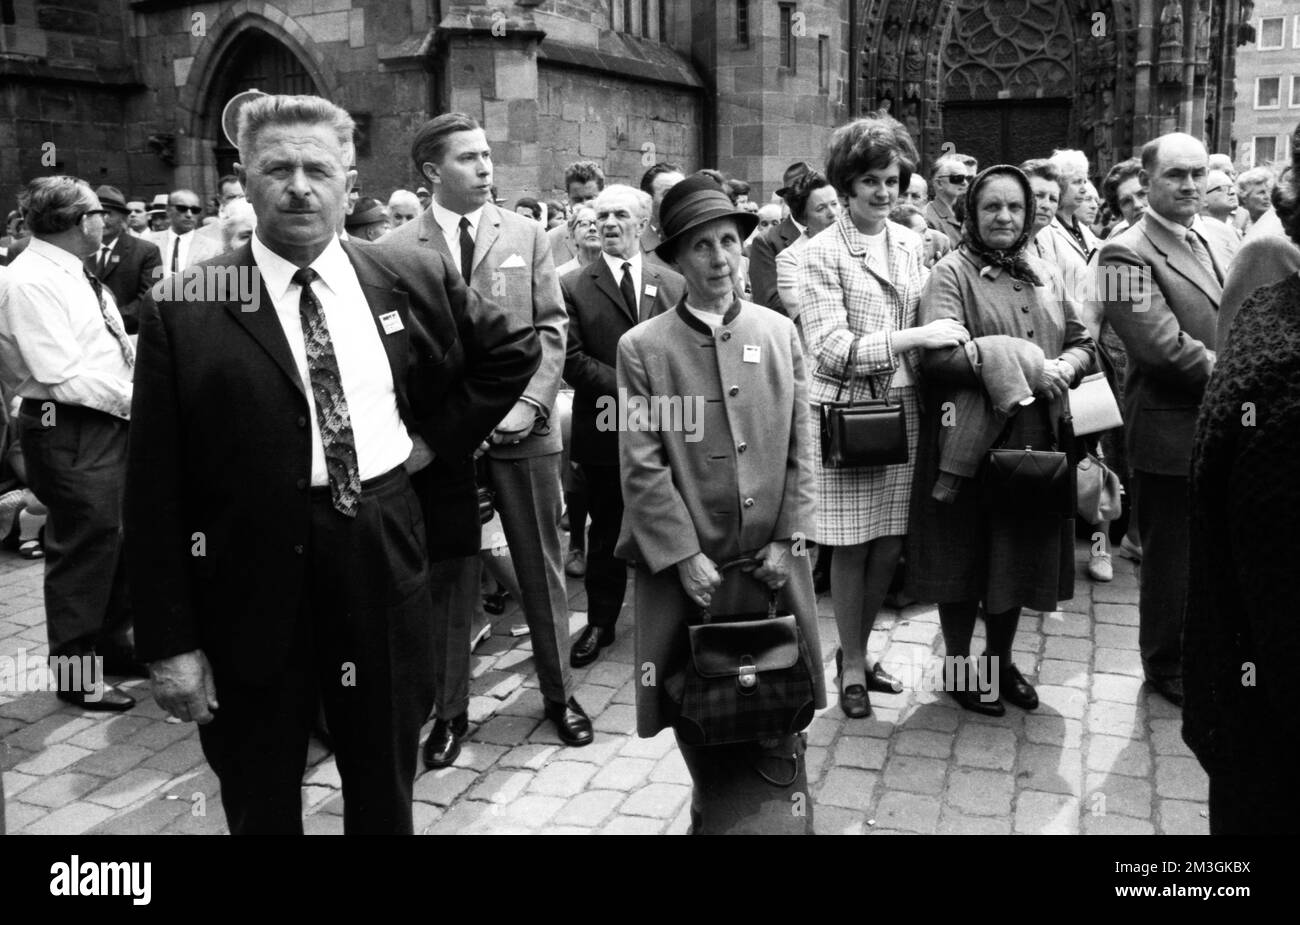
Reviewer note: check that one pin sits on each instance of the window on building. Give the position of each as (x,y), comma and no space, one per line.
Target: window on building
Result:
(1270,33)
(787,58)
(1295,91)
(1268,92)
(1265,149)
(742,23)
(823,63)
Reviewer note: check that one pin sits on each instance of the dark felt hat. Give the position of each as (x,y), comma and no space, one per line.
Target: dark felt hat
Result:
(791,177)
(696,201)
(110,197)
(367,211)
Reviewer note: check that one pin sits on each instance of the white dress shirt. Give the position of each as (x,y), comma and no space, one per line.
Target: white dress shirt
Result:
(170,238)
(381,439)
(615,265)
(449,222)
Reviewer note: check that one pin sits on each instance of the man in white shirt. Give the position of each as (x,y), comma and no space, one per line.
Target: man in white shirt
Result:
(180,245)
(64,351)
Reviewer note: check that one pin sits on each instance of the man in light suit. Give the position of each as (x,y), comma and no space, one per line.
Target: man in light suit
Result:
(303,413)
(125,264)
(179,244)
(605,300)
(1172,263)
(763,251)
(506,257)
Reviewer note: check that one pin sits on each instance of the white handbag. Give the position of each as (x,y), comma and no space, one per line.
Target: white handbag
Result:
(1093,406)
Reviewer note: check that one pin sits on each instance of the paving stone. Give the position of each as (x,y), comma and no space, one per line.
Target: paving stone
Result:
(325,774)
(1116,755)
(131,787)
(1062,673)
(176,758)
(671,769)
(60,789)
(626,693)
(1158,707)
(571,830)
(657,747)
(814,760)
(601,751)
(1116,688)
(465,818)
(478,756)
(1116,825)
(116,730)
(52,759)
(1167,737)
(115,759)
(1115,594)
(985,746)
(979,792)
(922,742)
(658,800)
(501,786)
(482,709)
(16,783)
(506,730)
(594,698)
(1125,614)
(72,819)
(1115,719)
(1065,623)
(1046,767)
(623,774)
(159,734)
(1109,794)
(562,778)
(590,808)
(1116,636)
(496,684)
(908,812)
(922,633)
(443,786)
(941,716)
(617,718)
(875,726)
(824,728)
(1119,661)
(534,811)
(1067,701)
(47,731)
(424,816)
(633,825)
(533,757)
(831,820)
(20,815)
(1039,813)
(952,823)
(860,752)
(915,775)
(1179,817)
(1181,779)
(848,788)
(1068,648)
(150,818)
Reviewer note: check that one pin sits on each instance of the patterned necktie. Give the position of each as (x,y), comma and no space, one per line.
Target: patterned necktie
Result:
(628,290)
(110,322)
(176,254)
(466,250)
(331,404)
(1202,255)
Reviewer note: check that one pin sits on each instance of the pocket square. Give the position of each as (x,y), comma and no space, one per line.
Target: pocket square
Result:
(514,260)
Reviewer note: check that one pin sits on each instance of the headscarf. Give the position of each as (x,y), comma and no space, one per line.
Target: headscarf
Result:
(1012,259)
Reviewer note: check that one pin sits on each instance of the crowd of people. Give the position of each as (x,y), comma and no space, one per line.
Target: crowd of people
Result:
(410,465)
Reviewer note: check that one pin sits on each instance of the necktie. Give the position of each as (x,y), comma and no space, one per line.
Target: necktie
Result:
(110,322)
(466,250)
(331,404)
(628,290)
(103,260)
(176,254)
(1202,255)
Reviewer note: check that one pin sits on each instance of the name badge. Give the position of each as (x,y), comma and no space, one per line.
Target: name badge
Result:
(392,322)
(751,353)
(651,290)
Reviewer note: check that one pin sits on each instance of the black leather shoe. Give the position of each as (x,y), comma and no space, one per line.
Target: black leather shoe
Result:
(590,641)
(1015,690)
(968,695)
(882,682)
(1169,688)
(109,700)
(571,722)
(443,744)
(854,700)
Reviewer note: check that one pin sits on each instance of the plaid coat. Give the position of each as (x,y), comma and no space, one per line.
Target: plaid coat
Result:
(844,302)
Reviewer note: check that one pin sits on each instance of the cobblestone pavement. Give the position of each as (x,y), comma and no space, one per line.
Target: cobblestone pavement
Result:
(1100,756)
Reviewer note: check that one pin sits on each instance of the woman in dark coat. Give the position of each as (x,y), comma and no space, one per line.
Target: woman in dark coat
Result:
(1028,347)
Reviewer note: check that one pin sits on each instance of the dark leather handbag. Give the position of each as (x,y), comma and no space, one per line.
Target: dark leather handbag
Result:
(486,493)
(871,432)
(1029,481)
(748,677)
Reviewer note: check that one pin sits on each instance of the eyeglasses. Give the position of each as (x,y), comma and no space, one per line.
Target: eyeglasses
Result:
(957,179)
(1215,189)
(92,212)
(193,210)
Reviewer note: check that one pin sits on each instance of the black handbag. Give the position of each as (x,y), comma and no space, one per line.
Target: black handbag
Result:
(486,493)
(748,677)
(1029,481)
(871,432)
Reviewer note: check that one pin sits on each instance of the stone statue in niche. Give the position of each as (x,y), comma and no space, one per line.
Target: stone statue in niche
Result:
(914,60)
(1171,41)
(912,119)
(888,54)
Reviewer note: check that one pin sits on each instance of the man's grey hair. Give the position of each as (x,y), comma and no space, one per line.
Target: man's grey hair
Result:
(948,161)
(404,197)
(52,205)
(644,201)
(1247,180)
(265,111)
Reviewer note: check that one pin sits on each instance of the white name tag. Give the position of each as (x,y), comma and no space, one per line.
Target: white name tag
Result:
(651,290)
(751,353)
(391,322)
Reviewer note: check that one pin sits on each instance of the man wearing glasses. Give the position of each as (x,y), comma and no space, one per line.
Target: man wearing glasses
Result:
(65,353)
(179,246)
(949,181)
(1220,198)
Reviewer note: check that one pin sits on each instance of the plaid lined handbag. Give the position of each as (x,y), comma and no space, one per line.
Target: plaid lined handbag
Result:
(748,677)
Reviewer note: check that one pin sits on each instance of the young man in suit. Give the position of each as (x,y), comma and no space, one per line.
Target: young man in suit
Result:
(125,264)
(762,253)
(506,257)
(180,245)
(303,413)
(1160,282)
(605,300)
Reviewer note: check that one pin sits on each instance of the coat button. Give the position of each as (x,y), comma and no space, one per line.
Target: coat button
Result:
(1030,334)
(749,502)
(1017,287)
(726,335)
(742,447)
(298,549)
(302,484)
(734,390)
(302,420)
(1025,309)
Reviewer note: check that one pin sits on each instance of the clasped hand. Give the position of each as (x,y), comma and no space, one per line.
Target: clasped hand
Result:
(183,686)
(516,425)
(700,576)
(1054,381)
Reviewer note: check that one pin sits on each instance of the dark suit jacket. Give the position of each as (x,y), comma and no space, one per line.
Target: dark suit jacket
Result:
(133,267)
(1166,316)
(598,317)
(220,448)
(762,263)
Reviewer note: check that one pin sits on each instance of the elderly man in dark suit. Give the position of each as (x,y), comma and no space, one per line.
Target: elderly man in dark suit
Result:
(1161,282)
(505,257)
(605,300)
(125,264)
(763,250)
(303,412)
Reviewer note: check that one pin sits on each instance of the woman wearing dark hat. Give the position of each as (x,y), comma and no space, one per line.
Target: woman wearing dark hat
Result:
(859,283)
(731,477)
(1028,347)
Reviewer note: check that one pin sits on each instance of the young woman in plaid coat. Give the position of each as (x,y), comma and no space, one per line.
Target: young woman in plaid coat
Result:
(860,282)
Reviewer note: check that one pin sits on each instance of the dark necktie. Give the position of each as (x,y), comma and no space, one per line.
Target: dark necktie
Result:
(466,250)
(114,328)
(176,254)
(331,404)
(102,266)
(628,290)
(1202,254)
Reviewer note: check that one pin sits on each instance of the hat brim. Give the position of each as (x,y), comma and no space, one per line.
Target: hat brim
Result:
(746,222)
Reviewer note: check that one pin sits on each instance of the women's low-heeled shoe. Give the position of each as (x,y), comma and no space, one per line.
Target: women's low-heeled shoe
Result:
(1015,690)
(975,702)
(854,701)
(882,682)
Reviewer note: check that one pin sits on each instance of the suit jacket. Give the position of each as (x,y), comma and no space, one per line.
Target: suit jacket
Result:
(133,267)
(1165,310)
(513,268)
(941,218)
(561,247)
(220,440)
(598,317)
(762,262)
(202,248)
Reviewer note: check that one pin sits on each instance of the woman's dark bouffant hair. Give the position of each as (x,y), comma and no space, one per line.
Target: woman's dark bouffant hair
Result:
(869,144)
(801,191)
(1288,210)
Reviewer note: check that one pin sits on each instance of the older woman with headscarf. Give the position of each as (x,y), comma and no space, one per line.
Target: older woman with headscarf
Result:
(732,479)
(1009,382)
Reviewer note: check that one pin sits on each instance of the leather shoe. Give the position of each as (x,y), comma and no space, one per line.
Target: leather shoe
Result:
(109,700)
(571,722)
(1169,688)
(590,641)
(1015,690)
(882,682)
(443,744)
(968,695)
(854,700)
